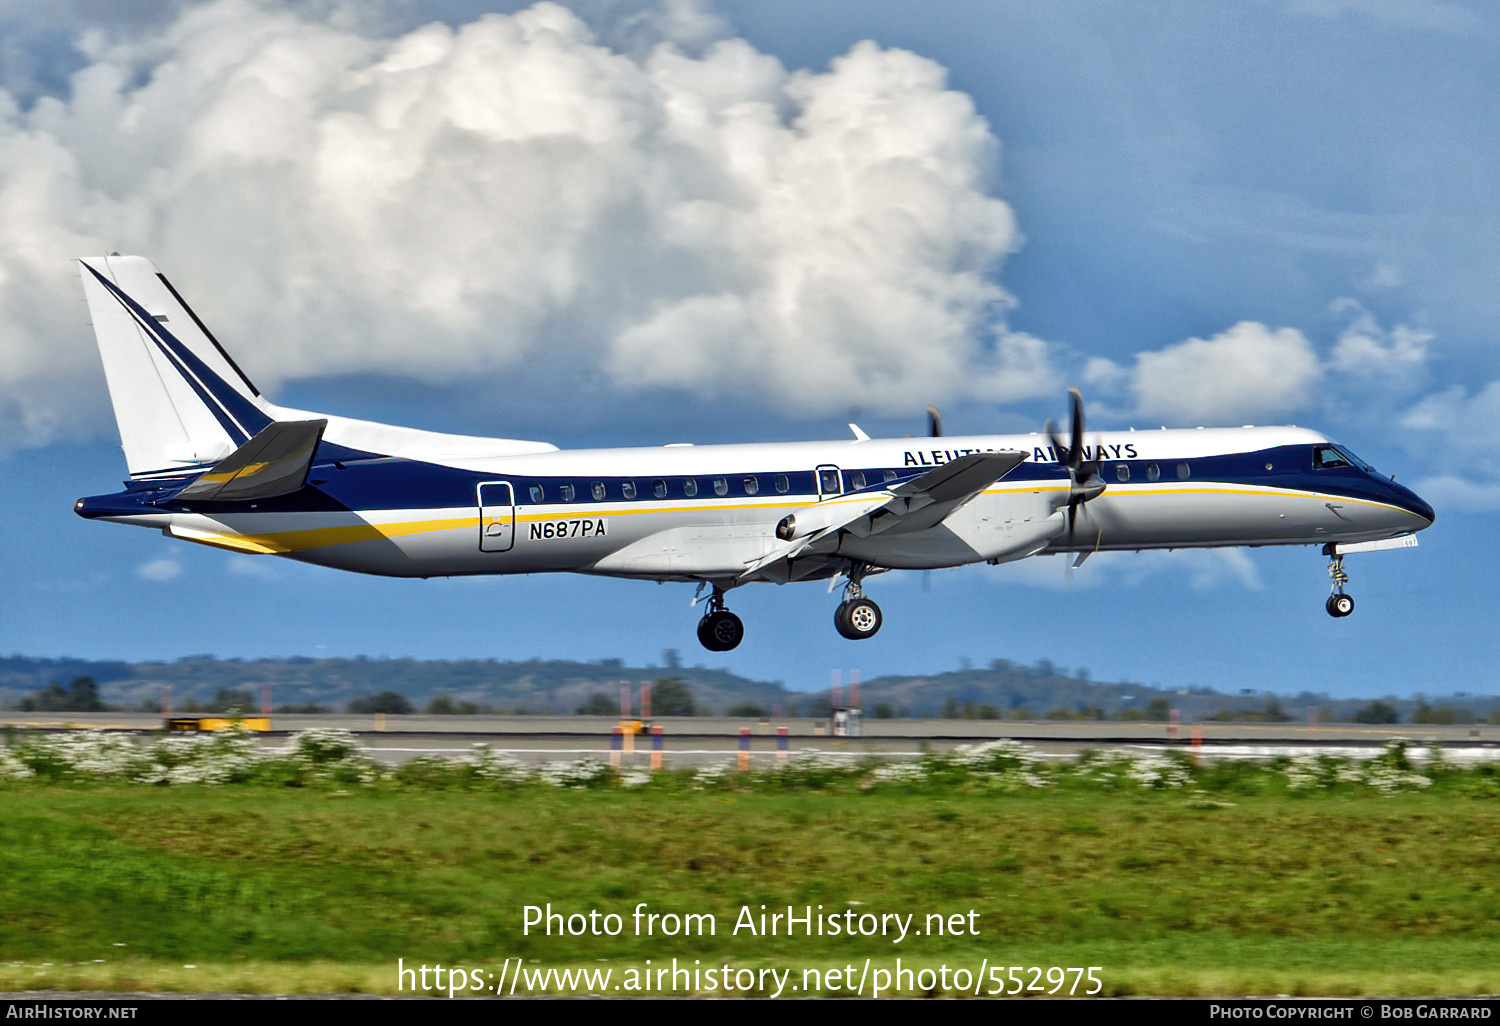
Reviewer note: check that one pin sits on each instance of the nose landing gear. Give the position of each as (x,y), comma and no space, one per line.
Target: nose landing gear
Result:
(1339,605)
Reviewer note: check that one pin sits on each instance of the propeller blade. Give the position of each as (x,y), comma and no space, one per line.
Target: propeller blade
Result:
(1077,446)
(1084,480)
(934,422)
(1064,455)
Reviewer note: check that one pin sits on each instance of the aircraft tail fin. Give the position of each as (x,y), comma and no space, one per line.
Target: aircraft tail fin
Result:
(180,402)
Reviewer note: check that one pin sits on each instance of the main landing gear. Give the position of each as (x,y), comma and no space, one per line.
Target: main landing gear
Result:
(720,630)
(857,617)
(1339,605)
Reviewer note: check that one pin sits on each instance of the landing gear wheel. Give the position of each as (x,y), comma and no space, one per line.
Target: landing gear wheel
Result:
(721,631)
(857,619)
(1339,605)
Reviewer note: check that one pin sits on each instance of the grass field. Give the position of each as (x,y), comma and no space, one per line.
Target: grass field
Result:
(125,887)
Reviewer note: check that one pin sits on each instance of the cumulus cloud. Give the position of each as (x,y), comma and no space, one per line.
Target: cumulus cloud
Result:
(1458,430)
(1424,15)
(1204,569)
(1366,350)
(1248,373)
(450,202)
(258,567)
(1461,495)
(159,570)
(1384,276)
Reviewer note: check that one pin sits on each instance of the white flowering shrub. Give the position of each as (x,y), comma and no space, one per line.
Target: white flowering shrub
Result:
(82,755)
(1115,770)
(636,778)
(491,768)
(810,771)
(1003,765)
(13,767)
(228,756)
(1161,772)
(1390,772)
(325,745)
(335,757)
(717,775)
(577,773)
(329,755)
(889,774)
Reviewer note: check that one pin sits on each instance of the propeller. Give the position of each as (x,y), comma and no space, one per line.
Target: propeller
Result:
(934,430)
(1084,474)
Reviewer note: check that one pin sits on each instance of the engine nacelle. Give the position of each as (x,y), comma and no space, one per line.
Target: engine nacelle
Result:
(810,520)
(806,521)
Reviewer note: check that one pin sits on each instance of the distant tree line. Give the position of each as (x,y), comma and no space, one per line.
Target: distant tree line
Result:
(670,696)
(80,696)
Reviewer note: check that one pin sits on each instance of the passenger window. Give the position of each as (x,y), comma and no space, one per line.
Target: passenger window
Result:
(752,486)
(690,487)
(721,486)
(567,493)
(858,481)
(598,490)
(828,482)
(1122,472)
(782,484)
(628,489)
(659,488)
(536,493)
(889,475)
(1153,472)
(1183,471)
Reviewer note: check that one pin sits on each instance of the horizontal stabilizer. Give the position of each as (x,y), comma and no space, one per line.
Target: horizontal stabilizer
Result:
(273,463)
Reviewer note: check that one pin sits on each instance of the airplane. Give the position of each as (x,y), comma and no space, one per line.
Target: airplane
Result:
(212,461)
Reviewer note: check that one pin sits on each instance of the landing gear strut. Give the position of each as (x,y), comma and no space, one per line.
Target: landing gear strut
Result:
(720,630)
(856,617)
(1339,605)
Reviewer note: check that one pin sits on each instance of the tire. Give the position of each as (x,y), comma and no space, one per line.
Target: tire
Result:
(721,631)
(857,619)
(1340,605)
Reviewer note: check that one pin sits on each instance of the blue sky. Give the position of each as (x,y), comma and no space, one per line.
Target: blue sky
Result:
(482,226)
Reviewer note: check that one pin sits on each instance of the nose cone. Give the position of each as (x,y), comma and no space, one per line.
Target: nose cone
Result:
(1413,504)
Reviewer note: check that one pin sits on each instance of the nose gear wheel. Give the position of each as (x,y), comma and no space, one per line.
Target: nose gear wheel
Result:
(1339,604)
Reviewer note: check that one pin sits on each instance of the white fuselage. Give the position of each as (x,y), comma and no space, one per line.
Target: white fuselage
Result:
(626,512)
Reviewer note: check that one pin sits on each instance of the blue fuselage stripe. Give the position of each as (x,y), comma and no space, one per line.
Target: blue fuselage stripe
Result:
(390,483)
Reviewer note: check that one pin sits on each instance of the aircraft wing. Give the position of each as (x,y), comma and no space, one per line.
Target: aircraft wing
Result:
(914,505)
(926,501)
(273,462)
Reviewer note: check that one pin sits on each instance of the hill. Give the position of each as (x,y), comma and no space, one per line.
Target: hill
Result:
(1001,690)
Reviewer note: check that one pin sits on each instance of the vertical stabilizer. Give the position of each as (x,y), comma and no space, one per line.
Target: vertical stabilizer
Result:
(179,400)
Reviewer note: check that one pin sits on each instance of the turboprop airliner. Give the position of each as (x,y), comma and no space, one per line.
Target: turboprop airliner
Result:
(213,461)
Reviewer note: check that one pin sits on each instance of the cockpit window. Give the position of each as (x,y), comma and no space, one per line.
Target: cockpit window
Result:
(1328,457)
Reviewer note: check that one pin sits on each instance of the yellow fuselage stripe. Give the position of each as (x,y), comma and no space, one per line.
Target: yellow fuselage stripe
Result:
(320,537)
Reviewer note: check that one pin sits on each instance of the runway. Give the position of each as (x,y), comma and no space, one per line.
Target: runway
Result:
(696,741)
